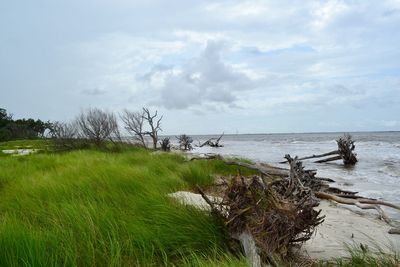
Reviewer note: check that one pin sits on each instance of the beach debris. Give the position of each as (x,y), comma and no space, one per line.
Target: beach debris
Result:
(273,177)
(268,218)
(213,142)
(185,142)
(344,152)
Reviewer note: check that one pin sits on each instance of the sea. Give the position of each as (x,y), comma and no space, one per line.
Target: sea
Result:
(376,175)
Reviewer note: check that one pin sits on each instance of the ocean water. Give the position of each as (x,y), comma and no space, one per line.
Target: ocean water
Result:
(376,175)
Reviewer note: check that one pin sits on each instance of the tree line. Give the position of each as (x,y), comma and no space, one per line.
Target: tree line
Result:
(96,127)
(11,129)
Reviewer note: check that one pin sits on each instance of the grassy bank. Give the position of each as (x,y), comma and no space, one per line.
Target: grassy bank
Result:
(99,208)
(91,208)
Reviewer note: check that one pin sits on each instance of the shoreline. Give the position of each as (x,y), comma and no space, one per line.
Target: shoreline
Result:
(342,229)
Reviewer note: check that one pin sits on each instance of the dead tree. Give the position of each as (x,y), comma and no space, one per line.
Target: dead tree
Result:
(133,123)
(268,219)
(346,147)
(296,183)
(185,142)
(155,125)
(98,126)
(212,143)
(165,144)
(344,152)
(65,135)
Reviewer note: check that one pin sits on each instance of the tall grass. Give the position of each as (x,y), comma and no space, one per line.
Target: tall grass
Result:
(91,208)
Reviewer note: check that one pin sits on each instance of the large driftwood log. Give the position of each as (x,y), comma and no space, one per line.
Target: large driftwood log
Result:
(344,152)
(365,203)
(246,239)
(316,156)
(394,231)
(212,143)
(250,249)
(357,202)
(329,159)
(264,220)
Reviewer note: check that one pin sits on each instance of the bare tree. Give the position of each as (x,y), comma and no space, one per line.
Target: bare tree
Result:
(185,142)
(98,125)
(62,130)
(65,135)
(154,123)
(133,123)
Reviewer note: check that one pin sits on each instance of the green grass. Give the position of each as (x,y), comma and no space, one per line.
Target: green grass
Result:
(92,208)
(379,257)
(99,208)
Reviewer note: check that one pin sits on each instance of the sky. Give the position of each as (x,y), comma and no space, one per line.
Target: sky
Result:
(207,66)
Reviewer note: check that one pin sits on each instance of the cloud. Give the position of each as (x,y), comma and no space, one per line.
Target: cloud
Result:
(249,59)
(203,79)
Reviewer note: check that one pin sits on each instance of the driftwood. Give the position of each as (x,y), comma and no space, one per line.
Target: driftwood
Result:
(365,203)
(344,152)
(250,249)
(185,142)
(296,182)
(394,231)
(212,143)
(264,169)
(357,201)
(266,219)
(329,159)
(165,144)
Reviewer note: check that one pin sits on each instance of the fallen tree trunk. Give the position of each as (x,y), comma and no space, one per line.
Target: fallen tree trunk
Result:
(266,221)
(344,152)
(211,143)
(250,249)
(394,231)
(357,201)
(329,159)
(262,168)
(316,156)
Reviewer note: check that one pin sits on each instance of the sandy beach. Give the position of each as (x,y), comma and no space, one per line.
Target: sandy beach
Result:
(342,228)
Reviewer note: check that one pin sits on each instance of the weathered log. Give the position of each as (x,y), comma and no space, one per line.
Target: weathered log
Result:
(211,143)
(394,231)
(246,239)
(328,159)
(344,152)
(316,156)
(250,249)
(357,202)
(337,191)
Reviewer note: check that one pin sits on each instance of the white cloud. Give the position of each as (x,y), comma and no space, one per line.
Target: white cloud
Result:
(203,79)
(221,57)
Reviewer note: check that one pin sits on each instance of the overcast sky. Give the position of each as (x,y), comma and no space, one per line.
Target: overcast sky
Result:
(208,66)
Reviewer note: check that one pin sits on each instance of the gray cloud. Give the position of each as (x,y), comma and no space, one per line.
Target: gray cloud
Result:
(203,79)
(245,61)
